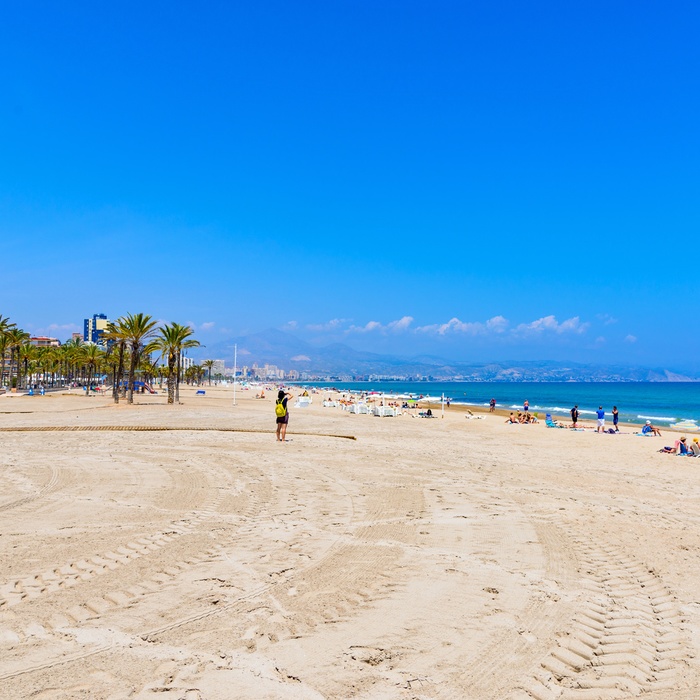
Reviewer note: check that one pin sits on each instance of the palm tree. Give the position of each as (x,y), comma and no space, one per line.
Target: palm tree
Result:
(49,362)
(148,367)
(173,339)
(72,352)
(92,357)
(195,374)
(26,353)
(5,328)
(16,338)
(208,364)
(115,335)
(137,329)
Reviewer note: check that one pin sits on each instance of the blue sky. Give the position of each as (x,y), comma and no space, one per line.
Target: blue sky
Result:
(480,181)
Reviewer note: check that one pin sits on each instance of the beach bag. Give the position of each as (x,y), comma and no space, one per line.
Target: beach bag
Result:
(280,410)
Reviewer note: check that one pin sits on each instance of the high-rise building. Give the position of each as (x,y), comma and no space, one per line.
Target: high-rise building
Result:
(218,367)
(94,328)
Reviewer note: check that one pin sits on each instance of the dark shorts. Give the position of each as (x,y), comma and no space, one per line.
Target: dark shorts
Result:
(283,419)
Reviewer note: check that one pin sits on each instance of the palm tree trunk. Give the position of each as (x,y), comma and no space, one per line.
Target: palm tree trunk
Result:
(171,378)
(118,374)
(132,372)
(177,383)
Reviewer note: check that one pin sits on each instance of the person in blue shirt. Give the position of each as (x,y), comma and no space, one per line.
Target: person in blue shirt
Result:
(601,419)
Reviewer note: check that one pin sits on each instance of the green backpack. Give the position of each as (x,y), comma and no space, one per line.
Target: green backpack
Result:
(280,410)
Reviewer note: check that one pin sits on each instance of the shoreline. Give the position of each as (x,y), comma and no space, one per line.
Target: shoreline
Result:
(563,416)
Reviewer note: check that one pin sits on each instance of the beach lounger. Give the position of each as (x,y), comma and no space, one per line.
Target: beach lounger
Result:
(382,411)
(200,392)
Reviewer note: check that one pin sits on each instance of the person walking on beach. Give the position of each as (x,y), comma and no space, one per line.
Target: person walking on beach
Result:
(574,416)
(601,420)
(282,414)
(616,417)
(492,405)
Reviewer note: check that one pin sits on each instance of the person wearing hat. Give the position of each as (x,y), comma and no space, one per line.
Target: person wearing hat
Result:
(680,448)
(649,428)
(694,448)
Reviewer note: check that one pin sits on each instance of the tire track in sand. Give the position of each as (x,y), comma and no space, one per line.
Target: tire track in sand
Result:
(626,638)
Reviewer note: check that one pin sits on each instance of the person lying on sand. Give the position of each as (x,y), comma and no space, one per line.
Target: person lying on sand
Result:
(679,448)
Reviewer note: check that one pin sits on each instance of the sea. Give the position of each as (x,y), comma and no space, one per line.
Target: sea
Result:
(664,403)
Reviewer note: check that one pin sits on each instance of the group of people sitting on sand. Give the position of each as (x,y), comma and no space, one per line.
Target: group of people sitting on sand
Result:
(681,447)
(521,417)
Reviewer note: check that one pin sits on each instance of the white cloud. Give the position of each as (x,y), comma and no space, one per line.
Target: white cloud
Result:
(607,319)
(332,325)
(243,351)
(494,326)
(290,326)
(550,324)
(600,340)
(497,324)
(367,328)
(454,325)
(301,358)
(630,338)
(573,325)
(207,326)
(399,326)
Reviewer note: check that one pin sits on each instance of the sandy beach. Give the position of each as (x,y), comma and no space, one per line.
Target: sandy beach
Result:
(161,552)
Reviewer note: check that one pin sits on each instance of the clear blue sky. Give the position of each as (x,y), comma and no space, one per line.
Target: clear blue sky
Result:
(474,180)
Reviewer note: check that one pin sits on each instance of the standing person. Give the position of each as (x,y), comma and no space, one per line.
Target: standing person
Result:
(574,416)
(282,414)
(601,420)
(616,417)
(492,405)
(526,406)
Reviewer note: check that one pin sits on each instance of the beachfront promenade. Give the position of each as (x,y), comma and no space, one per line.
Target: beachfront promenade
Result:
(150,551)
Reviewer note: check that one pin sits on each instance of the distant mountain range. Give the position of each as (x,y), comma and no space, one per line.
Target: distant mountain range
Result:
(287,351)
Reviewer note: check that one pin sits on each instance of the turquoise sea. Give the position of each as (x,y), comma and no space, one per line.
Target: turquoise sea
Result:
(662,403)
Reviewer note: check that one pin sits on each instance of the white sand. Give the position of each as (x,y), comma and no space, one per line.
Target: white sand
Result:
(427,559)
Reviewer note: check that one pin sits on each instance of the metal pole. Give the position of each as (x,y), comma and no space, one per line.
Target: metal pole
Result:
(442,401)
(235,362)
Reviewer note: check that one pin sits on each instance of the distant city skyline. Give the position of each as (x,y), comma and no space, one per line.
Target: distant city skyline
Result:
(478,182)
